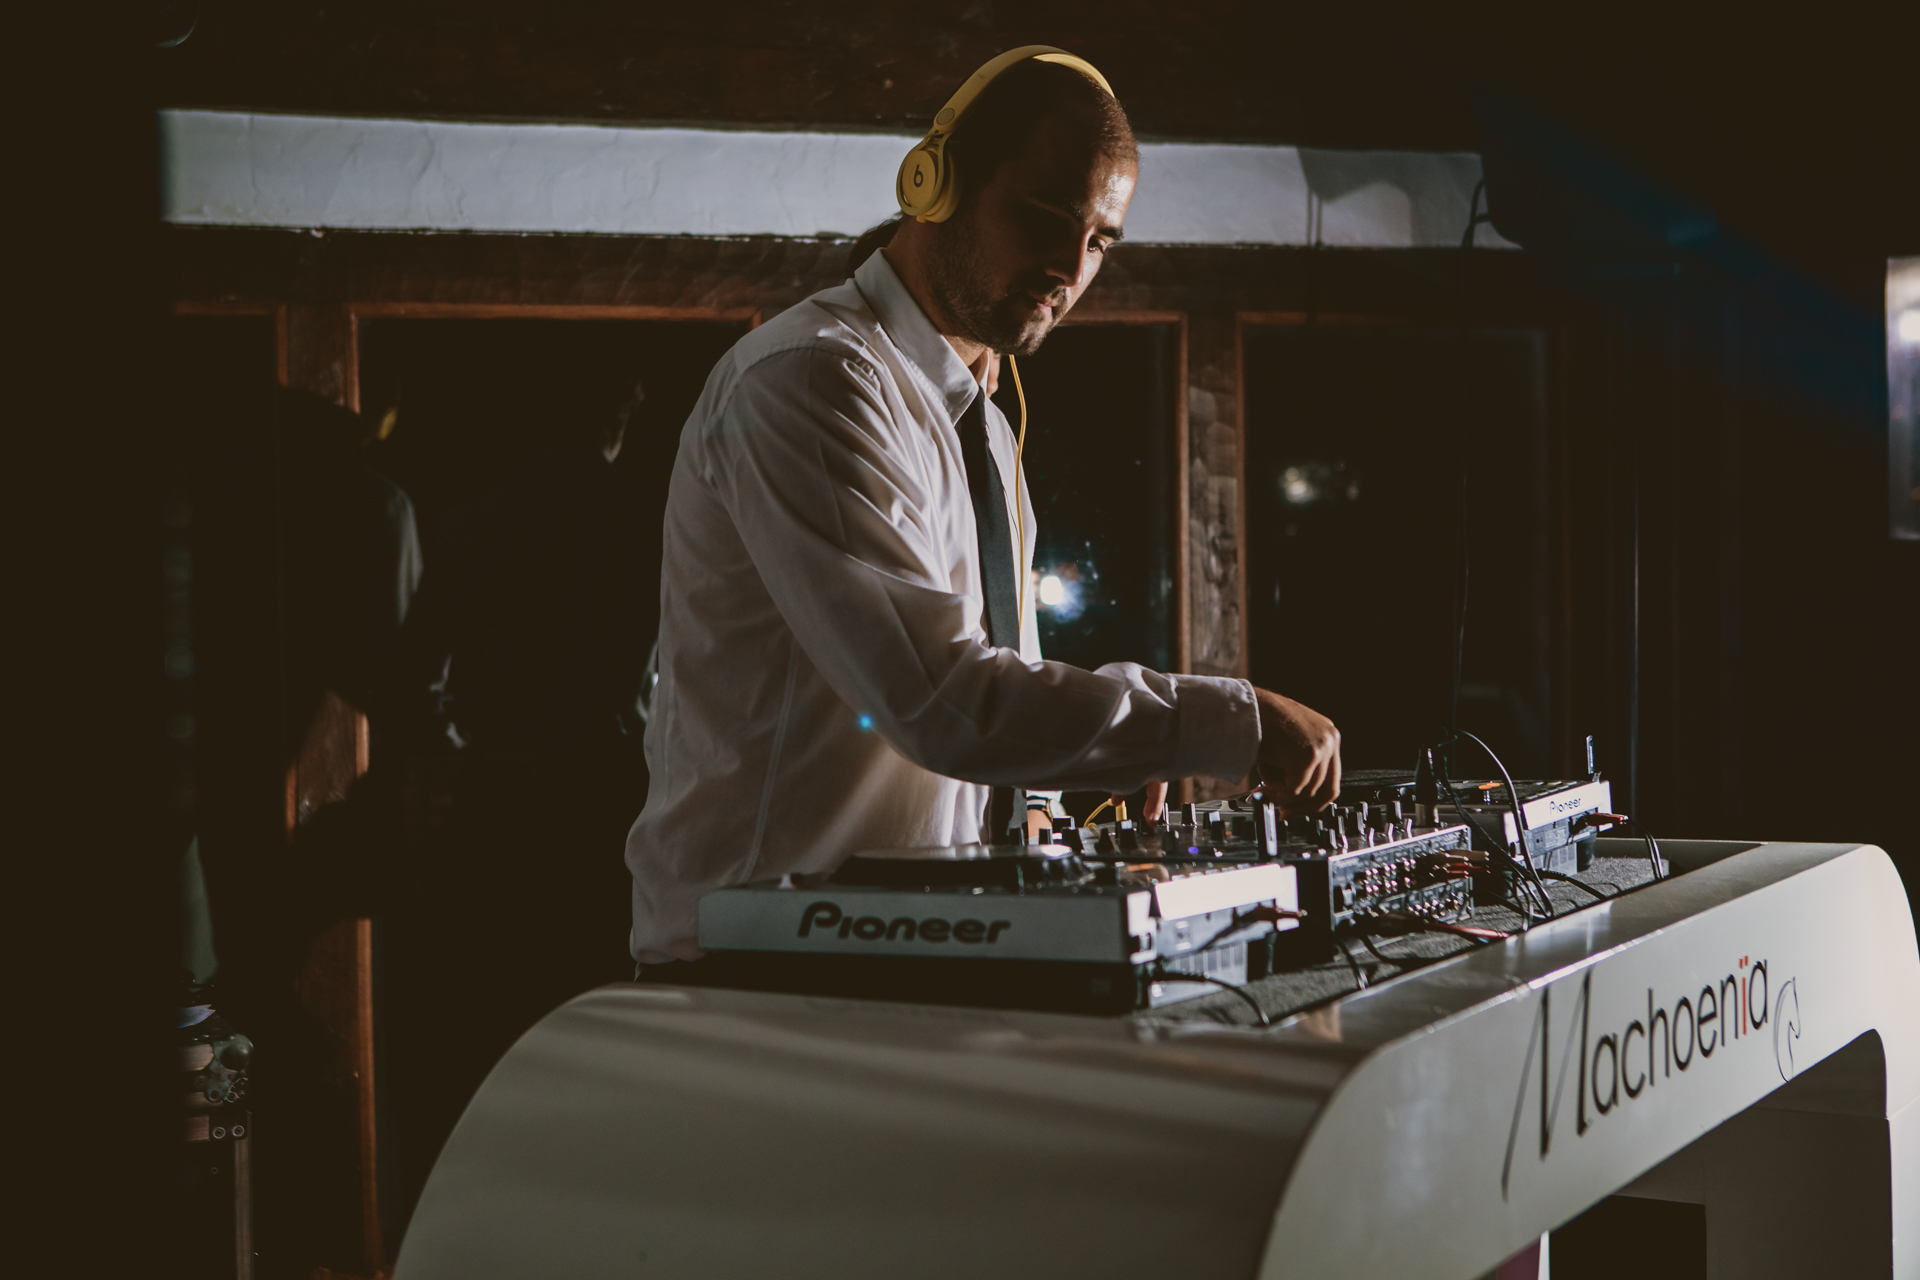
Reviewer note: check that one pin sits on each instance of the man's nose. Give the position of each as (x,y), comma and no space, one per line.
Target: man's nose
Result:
(1072,263)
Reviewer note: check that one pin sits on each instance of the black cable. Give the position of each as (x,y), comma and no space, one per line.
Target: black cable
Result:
(1513,803)
(1415,924)
(1655,859)
(1410,963)
(1253,915)
(1474,216)
(1367,942)
(1580,884)
(1359,976)
(1258,1012)
(1499,846)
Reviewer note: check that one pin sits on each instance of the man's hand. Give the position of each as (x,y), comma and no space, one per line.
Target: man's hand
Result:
(1152,805)
(1299,761)
(1299,755)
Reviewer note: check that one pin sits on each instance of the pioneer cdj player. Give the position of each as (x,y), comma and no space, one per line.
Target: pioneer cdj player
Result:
(1035,926)
(1108,918)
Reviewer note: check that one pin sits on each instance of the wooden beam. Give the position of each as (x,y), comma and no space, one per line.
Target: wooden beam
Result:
(335,985)
(548,311)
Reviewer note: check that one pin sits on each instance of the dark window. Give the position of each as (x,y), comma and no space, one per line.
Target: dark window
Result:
(1357,438)
(1100,465)
(476,398)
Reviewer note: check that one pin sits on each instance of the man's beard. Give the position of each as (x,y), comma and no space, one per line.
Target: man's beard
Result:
(1008,323)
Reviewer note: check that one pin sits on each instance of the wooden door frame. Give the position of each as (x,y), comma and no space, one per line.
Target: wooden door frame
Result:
(275,311)
(358,311)
(547,311)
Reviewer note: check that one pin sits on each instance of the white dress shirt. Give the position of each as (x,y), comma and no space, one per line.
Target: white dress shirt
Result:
(826,685)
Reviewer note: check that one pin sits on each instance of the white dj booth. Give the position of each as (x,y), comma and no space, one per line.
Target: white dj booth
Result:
(1744,1035)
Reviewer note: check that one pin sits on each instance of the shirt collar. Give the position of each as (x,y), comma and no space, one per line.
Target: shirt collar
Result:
(915,335)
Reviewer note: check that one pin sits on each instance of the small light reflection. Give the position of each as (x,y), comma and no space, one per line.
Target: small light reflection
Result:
(1314,483)
(1060,590)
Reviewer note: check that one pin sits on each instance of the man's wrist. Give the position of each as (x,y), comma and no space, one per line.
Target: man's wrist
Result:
(1218,722)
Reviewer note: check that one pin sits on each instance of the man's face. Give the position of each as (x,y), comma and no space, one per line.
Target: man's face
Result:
(1021,250)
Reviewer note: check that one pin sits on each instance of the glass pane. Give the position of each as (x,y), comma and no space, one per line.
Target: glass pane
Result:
(474,399)
(1356,440)
(1100,465)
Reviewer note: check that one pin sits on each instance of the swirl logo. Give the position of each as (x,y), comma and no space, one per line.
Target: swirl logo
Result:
(1786,1026)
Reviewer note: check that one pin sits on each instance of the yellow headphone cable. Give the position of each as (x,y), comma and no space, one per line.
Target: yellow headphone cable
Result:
(1020,507)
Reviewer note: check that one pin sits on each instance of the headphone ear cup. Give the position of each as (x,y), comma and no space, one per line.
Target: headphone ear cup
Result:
(925,186)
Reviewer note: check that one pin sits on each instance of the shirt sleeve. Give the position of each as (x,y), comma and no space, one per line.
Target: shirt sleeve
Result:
(831,489)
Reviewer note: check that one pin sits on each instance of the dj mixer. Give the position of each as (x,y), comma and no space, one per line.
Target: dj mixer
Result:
(1559,821)
(1121,915)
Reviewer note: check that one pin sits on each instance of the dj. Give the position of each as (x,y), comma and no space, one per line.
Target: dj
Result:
(847,659)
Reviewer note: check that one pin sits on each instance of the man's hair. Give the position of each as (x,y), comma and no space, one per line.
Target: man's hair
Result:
(1002,123)
(873,240)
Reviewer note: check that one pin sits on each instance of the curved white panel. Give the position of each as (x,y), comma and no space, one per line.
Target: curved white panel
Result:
(1429,1126)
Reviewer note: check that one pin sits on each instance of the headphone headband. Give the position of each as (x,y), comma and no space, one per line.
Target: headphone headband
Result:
(926,186)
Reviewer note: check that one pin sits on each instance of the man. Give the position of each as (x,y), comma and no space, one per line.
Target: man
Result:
(840,667)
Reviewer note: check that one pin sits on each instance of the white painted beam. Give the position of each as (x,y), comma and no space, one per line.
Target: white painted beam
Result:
(240,169)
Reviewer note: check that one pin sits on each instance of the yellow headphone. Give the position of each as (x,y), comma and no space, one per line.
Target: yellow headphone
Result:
(927,187)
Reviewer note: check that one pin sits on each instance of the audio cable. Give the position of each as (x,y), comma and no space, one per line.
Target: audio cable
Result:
(1162,974)
(1525,860)
(1019,488)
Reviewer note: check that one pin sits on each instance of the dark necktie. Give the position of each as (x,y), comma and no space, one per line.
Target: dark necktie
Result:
(997,569)
(990,521)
